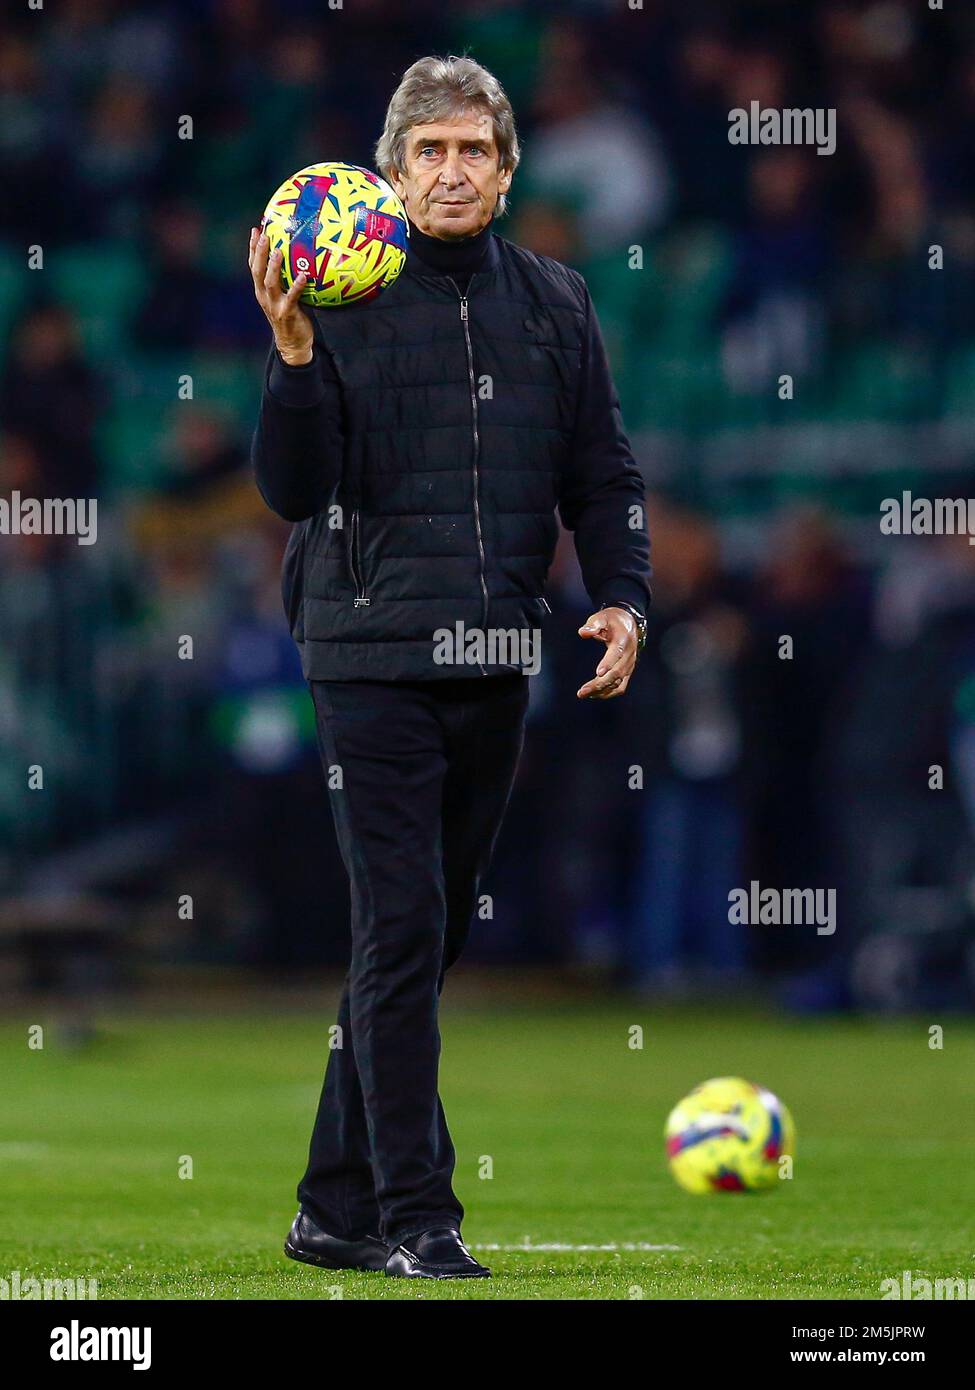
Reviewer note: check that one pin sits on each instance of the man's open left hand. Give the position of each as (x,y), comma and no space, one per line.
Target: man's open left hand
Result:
(618,630)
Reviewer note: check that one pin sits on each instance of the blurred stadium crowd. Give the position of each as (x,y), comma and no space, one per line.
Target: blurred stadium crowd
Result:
(165,776)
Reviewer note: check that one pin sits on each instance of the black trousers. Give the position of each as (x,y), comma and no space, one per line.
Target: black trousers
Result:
(426,769)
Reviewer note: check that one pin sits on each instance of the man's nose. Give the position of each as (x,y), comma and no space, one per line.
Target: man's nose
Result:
(452,172)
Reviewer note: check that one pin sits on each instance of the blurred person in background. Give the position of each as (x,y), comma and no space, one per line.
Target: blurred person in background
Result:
(187,530)
(708,175)
(550,227)
(263,730)
(51,395)
(906,302)
(119,159)
(594,149)
(26,133)
(206,462)
(811,592)
(773,311)
(22,469)
(571,801)
(688,849)
(176,306)
(902,791)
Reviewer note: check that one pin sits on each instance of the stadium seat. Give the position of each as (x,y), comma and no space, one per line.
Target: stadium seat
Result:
(693,266)
(103,285)
(131,435)
(15,285)
(959,400)
(882,381)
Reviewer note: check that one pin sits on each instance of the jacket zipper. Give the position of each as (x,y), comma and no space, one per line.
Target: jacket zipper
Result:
(477,450)
(355,565)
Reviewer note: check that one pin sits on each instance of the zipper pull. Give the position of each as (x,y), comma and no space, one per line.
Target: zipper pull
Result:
(361,602)
(463,308)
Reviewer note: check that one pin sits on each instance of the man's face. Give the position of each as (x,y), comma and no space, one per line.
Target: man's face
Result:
(451,183)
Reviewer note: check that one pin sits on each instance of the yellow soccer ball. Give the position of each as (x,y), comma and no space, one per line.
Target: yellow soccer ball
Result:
(728,1135)
(342,226)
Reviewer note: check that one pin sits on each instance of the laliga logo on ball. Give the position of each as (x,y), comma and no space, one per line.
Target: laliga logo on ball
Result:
(342,226)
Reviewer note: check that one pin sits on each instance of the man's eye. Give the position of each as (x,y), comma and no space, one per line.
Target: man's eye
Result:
(428,150)
(475,149)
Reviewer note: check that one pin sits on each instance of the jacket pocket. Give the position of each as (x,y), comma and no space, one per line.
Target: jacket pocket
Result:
(292,578)
(361,598)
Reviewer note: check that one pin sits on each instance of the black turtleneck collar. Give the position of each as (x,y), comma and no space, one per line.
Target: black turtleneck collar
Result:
(454,258)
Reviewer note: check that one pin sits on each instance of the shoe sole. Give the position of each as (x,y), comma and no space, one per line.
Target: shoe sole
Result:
(461,1274)
(322,1262)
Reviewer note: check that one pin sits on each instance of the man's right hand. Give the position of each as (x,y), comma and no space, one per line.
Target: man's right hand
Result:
(294,336)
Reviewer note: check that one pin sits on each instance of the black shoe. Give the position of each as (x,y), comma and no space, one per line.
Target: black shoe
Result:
(435,1254)
(313,1246)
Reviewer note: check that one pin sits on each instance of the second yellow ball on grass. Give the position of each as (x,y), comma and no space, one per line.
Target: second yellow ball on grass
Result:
(729,1135)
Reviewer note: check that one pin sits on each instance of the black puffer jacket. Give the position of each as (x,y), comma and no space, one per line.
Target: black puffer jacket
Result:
(422,454)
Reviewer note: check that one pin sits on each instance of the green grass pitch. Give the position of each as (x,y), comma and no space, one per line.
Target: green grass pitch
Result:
(570,1117)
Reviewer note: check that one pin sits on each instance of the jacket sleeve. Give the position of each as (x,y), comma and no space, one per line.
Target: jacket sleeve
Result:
(602,495)
(298,444)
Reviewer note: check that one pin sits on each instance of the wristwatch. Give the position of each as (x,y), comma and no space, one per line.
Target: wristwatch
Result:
(639,619)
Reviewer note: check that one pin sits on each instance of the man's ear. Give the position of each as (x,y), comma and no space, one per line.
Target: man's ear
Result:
(396,179)
(504,180)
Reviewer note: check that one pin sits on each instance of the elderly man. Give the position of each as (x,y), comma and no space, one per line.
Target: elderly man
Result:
(447,419)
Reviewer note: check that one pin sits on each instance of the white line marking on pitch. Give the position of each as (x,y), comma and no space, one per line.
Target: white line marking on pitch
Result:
(554,1246)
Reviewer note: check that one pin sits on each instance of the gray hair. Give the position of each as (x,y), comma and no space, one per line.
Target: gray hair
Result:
(435,89)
